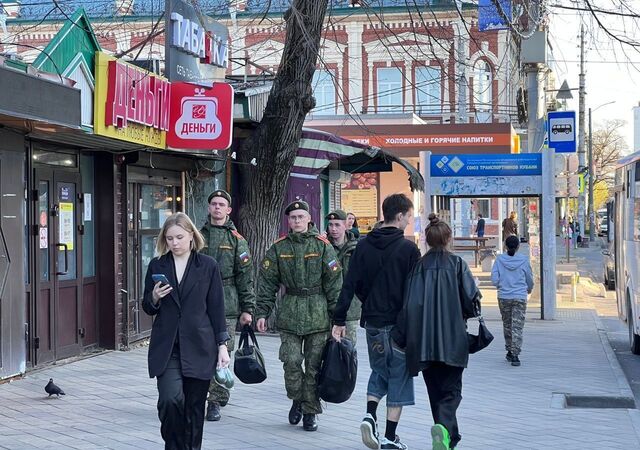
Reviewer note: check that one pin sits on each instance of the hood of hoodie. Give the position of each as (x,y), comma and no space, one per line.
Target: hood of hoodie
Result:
(382,238)
(514,262)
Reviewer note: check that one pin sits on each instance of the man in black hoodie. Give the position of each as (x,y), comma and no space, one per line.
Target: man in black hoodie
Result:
(377,272)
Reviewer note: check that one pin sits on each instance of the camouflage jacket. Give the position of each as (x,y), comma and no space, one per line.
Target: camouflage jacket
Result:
(300,261)
(344,256)
(231,251)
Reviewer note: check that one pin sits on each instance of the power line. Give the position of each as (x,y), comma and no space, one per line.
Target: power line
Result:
(596,10)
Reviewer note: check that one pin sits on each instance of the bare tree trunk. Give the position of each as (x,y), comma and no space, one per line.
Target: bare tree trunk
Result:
(275,142)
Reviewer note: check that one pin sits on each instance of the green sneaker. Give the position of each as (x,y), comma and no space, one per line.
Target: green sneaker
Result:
(440,437)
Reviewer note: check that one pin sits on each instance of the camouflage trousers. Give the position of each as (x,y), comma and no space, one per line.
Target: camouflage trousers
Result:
(301,384)
(217,393)
(513,313)
(352,330)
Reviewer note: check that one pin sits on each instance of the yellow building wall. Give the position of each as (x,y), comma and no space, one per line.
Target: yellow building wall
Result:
(397,182)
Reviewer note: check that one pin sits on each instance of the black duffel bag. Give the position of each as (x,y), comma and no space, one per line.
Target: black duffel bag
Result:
(338,371)
(248,364)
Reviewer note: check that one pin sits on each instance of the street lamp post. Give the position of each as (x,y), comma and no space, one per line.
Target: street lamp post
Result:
(592,175)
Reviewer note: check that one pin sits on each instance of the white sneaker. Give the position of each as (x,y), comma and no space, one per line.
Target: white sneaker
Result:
(369,432)
(395,444)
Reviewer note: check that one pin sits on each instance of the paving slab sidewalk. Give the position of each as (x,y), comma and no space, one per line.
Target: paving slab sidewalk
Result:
(110,401)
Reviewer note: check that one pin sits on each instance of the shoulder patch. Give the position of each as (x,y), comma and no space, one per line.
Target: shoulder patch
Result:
(237,235)
(281,238)
(323,239)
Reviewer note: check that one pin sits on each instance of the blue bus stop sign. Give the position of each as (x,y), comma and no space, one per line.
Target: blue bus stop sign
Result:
(561,131)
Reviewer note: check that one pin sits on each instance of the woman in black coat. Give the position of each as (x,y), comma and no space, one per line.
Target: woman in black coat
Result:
(189,330)
(432,328)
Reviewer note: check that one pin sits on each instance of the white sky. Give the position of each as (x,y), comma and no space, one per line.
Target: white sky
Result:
(609,74)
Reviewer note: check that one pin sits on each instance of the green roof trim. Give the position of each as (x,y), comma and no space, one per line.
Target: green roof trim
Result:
(76,37)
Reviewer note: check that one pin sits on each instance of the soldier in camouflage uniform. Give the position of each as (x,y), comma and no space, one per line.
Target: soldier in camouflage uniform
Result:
(306,264)
(231,251)
(344,243)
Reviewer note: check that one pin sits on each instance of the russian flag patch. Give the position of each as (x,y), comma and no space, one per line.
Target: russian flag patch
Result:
(333,265)
(244,257)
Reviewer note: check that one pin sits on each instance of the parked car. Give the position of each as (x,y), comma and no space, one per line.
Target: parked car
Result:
(609,268)
(604,226)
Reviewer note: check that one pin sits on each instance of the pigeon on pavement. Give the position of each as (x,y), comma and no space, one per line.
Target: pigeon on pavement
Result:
(52,389)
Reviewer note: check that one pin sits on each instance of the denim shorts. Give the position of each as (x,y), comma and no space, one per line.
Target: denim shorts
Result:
(389,374)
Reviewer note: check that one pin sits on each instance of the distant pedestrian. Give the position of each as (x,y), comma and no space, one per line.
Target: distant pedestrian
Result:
(352,225)
(223,243)
(513,277)
(306,264)
(575,233)
(432,329)
(377,273)
(189,333)
(480,226)
(510,226)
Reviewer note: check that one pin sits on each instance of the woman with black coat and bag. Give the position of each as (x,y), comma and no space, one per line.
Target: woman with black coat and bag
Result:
(439,297)
(189,332)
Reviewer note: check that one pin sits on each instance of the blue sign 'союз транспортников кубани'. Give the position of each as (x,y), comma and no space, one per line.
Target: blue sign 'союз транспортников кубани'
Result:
(522,164)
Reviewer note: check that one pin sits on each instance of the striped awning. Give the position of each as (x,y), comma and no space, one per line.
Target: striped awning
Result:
(317,149)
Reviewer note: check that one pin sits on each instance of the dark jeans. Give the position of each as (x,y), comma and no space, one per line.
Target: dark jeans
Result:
(181,403)
(444,386)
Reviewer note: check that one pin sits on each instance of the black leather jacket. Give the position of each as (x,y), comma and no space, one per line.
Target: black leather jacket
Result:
(438,301)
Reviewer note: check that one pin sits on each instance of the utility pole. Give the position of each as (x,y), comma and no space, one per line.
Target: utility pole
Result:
(581,127)
(567,239)
(462,110)
(592,176)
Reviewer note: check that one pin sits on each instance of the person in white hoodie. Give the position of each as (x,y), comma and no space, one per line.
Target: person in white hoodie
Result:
(513,277)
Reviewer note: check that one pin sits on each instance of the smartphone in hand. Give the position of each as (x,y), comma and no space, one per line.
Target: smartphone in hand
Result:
(162,278)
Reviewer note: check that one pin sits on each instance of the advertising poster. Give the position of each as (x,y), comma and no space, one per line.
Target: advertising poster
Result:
(360,197)
(66,235)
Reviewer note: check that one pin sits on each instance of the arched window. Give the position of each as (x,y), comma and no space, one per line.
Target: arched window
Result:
(482,90)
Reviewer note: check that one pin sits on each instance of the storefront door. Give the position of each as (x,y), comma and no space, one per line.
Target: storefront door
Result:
(149,205)
(57,302)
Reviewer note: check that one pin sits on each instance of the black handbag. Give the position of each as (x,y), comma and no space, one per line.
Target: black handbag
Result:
(484,336)
(248,362)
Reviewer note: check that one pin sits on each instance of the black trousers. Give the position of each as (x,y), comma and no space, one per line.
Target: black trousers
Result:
(444,386)
(181,403)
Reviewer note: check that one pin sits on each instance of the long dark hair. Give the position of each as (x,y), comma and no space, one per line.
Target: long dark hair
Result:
(355,220)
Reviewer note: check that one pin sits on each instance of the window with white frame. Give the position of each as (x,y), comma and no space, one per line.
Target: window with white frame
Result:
(428,88)
(390,92)
(483,206)
(482,90)
(324,92)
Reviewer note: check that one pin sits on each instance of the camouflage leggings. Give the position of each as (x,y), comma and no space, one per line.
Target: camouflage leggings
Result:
(301,384)
(217,393)
(513,313)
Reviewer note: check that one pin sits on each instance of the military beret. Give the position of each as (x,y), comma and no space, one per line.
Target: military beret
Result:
(298,204)
(338,214)
(220,193)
